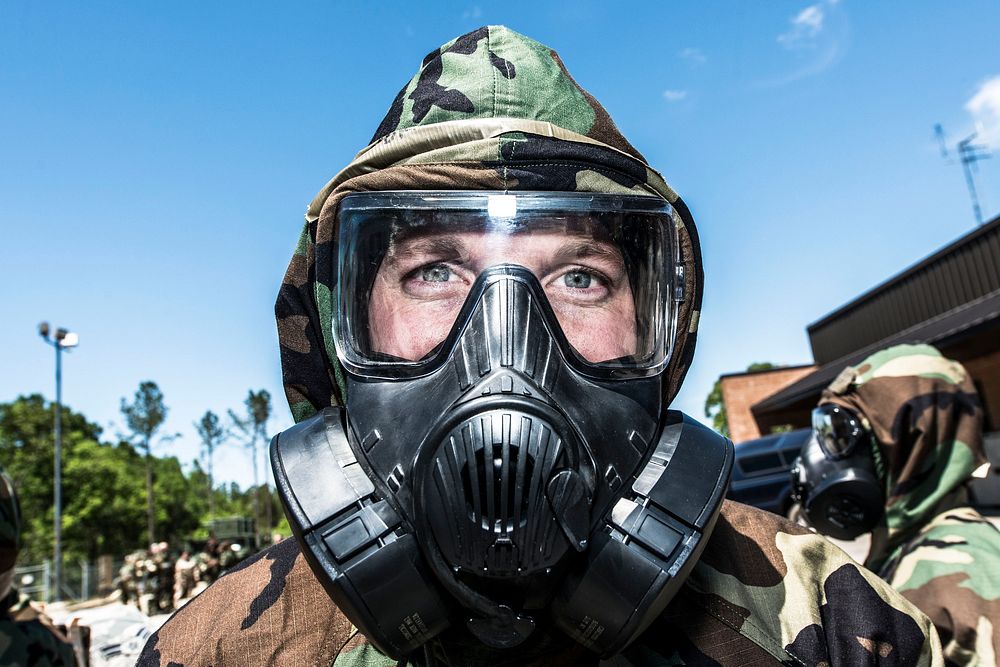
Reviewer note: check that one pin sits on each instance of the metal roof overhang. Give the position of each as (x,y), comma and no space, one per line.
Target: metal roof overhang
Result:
(970,319)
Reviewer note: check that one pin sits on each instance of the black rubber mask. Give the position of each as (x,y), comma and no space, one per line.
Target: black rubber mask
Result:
(835,478)
(505,487)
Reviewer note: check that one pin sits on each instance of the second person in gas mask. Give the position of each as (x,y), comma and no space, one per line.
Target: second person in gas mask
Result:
(896,439)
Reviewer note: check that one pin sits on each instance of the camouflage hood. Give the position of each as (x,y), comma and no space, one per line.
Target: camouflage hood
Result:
(10,523)
(927,421)
(10,532)
(490,110)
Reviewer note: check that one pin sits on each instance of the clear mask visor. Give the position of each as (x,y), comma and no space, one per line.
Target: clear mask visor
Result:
(837,429)
(607,266)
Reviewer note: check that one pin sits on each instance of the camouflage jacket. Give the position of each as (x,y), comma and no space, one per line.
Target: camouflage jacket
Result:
(927,421)
(951,571)
(765,592)
(27,637)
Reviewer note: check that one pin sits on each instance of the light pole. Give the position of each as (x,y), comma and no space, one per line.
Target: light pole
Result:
(63,339)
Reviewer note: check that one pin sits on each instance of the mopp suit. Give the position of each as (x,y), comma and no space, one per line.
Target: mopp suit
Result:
(930,545)
(493,110)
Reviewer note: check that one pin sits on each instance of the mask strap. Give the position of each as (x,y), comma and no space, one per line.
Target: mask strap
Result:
(878,459)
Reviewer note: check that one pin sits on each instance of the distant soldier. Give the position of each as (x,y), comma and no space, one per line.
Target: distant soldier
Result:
(126,580)
(134,564)
(27,635)
(207,561)
(230,554)
(896,440)
(185,571)
(162,573)
(145,577)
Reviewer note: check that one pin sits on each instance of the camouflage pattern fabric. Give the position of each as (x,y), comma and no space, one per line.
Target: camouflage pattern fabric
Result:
(951,571)
(495,110)
(27,636)
(927,421)
(753,599)
(10,531)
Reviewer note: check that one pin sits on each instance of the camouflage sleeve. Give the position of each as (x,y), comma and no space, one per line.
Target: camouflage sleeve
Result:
(764,593)
(32,643)
(801,599)
(269,610)
(951,571)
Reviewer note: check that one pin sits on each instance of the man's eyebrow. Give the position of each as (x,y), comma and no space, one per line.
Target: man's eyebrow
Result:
(437,246)
(582,249)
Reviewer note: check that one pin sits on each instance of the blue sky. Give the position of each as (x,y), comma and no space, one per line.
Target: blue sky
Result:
(156,160)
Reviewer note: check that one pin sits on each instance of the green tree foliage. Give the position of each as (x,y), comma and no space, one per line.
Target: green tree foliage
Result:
(212,435)
(181,504)
(715,407)
(102,483)
(27,448)
(103,487)
(102,500)
(144,416)
(253,432)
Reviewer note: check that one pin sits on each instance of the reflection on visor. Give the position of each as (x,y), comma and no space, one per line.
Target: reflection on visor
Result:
(837,429)
(409,260)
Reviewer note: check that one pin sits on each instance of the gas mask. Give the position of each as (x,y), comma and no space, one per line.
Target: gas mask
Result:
(835,478)
(504,461)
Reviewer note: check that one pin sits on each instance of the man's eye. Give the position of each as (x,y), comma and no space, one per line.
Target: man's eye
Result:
(437,273)
(577,279)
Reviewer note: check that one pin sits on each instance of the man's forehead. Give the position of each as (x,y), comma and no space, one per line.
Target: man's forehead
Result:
(585,241)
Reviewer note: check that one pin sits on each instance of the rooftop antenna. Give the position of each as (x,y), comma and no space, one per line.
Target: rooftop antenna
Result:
(968,154)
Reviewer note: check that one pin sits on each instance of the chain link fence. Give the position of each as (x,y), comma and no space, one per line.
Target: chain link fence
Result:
(34,580)
(81,580)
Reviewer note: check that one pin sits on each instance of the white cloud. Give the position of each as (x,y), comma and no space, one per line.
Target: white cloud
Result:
(474,13)
(984,107)
(815,42)
(692,55)
(806,25)
(674,95)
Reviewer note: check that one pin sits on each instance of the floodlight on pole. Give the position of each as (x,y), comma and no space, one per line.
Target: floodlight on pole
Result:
(63,339)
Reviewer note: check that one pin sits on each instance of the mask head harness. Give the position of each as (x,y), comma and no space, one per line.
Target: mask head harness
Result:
(502,482)
(835,477)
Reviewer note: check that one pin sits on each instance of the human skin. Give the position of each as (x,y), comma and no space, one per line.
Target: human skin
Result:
(423,282)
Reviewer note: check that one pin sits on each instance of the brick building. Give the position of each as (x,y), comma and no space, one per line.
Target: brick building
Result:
(741,390)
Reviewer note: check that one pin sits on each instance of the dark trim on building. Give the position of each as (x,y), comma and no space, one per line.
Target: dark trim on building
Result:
(979,319)
(961,273)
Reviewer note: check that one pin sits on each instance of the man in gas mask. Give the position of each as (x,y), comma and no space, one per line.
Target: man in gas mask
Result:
(896,439)
(27,635)
(488,313)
